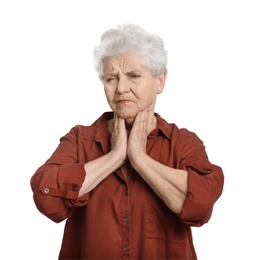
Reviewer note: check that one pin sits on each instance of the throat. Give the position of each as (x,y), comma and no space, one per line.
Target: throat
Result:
(129,122)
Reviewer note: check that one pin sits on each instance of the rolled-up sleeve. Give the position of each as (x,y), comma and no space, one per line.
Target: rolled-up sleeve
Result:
(56,183)
(205,182)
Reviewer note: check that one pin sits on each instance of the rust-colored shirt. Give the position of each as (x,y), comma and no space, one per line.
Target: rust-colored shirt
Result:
(119,219)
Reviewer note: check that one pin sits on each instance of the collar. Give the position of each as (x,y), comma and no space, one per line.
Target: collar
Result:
(163,127)
(98,130)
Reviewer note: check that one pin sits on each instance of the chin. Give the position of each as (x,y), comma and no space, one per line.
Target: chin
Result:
(128,117)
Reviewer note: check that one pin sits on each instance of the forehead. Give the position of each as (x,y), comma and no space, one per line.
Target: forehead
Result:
(123,63)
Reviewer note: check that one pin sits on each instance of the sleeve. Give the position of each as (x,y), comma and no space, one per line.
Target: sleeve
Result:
(57,182)
(205,182)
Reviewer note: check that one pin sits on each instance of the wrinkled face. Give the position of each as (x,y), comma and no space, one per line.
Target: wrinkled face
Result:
(129,86)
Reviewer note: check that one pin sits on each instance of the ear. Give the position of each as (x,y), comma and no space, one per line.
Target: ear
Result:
(161,82)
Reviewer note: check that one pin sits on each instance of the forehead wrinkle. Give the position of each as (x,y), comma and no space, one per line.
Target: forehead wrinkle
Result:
(125,64)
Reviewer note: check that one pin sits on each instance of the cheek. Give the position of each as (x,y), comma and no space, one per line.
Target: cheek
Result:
(147,95)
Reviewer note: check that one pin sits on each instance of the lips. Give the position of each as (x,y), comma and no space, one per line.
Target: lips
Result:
(123,101)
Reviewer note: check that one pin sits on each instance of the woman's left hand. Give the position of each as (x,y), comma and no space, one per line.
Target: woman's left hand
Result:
(138,136)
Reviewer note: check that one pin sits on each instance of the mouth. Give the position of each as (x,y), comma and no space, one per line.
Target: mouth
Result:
(123,101)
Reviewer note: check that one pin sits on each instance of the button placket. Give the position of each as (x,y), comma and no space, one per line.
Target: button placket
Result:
(125,224)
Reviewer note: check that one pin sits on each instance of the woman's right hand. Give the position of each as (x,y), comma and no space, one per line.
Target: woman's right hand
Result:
(118,138)
(98,169)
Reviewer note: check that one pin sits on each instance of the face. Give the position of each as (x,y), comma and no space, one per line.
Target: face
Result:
(129,86)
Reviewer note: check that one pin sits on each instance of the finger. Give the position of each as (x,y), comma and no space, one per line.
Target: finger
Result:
(143,122)
(119,123)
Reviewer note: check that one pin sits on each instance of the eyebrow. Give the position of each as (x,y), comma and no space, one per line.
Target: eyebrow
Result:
(127,73)
(134,72)
(110,75)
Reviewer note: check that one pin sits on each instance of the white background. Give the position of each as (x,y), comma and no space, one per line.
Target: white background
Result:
(48,84)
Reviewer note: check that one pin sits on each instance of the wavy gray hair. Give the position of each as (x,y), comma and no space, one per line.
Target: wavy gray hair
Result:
(131,38)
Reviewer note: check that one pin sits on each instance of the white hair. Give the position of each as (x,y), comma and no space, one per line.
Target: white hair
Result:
(131,38)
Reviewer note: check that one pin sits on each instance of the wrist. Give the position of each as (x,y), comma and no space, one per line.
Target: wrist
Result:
(117,158)
(138,159)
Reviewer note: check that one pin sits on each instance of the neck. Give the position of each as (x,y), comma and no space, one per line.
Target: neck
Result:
(129,122)
(151,123)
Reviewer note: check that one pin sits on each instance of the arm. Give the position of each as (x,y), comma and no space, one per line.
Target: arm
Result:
(192,188)
(168,183)
(98,169)
(56,183)
(64,181)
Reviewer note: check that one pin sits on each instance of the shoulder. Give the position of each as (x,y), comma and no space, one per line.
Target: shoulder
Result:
(97,128)
(172,131)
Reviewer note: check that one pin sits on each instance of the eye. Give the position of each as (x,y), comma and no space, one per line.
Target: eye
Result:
(109,79)
(135,76)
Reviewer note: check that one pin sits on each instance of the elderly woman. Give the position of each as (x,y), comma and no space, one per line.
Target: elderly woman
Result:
(130,185)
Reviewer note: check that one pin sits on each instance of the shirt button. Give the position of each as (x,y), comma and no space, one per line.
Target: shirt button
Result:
(126,248)
(46,190)
(125,219)
(126,192)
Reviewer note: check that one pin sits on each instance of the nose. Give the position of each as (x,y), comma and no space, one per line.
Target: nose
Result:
(123,85)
